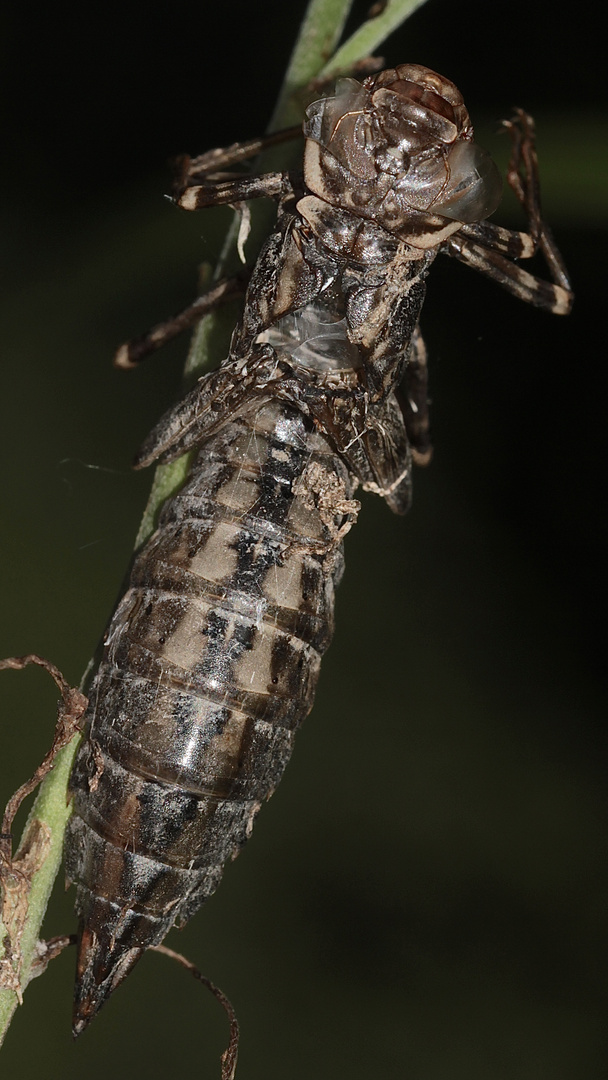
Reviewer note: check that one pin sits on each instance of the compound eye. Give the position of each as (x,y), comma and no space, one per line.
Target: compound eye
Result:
(474,189)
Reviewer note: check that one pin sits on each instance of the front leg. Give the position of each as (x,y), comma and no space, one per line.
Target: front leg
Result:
(275,185)
(489,248)
(509,242)
(523,179)
(209,166)
(527,287)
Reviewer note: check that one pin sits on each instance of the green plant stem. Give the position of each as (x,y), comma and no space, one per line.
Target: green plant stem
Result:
(367,38)
(52,810)
(319,34)
(321,29)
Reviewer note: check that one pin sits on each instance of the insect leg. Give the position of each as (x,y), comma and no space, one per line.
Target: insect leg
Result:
(522,177)
(192,170)
(483,245)
(519,245)
(513,244)
(533,290)
(274,185)
(130,354)
(270,185)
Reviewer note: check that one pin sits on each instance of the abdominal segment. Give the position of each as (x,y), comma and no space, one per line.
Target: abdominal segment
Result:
(210,664)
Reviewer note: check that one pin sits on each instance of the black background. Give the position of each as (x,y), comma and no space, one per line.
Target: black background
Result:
(424,896)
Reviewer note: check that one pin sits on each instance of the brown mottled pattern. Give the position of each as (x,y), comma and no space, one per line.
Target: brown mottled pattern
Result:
(212,657)
(210,664)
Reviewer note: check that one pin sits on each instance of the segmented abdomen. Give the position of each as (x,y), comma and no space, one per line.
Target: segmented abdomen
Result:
(210,663)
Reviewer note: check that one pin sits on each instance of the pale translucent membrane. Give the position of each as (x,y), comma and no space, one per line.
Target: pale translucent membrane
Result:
(314,338)
(475,186)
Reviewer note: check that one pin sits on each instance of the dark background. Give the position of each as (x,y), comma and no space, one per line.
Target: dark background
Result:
(425,894)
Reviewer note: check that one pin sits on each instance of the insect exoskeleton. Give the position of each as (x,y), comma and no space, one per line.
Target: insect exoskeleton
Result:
(211,659)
